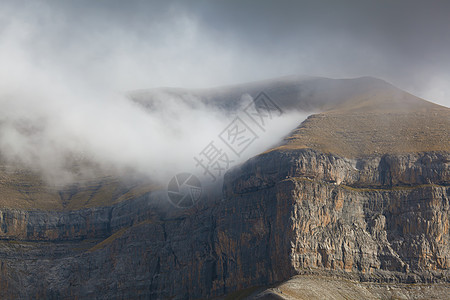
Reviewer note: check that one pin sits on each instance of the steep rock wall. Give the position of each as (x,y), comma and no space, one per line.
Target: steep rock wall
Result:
(375,219)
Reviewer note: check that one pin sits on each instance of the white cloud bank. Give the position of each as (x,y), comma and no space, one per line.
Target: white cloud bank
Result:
(64,103)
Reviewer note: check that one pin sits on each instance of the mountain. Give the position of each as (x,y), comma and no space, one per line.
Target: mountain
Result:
(358,192)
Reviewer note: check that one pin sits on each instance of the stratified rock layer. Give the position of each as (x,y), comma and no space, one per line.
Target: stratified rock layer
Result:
(382,219)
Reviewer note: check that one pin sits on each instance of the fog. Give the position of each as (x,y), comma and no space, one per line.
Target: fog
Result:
(66,67)
(51,128)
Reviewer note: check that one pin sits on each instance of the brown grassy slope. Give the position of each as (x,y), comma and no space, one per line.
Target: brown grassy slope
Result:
(379,122)
(26,190)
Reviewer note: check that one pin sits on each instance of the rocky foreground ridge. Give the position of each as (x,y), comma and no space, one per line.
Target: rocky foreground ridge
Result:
(374,215)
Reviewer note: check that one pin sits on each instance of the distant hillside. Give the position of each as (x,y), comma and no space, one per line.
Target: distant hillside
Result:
(312,94)
(355,117)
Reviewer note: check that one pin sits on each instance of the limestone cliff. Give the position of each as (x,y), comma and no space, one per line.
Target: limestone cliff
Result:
(315,213)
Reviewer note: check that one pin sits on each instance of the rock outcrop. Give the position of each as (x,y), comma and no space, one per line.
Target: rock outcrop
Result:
(315,213)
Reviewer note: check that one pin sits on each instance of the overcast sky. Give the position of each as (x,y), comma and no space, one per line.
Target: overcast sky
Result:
(142,44)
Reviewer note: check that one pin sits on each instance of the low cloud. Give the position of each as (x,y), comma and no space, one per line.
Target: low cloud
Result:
(56,132)
(67,66)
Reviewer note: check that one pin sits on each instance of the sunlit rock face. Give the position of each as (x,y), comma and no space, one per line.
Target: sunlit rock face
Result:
(311,212)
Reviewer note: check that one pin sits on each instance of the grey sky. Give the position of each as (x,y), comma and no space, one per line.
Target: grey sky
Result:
(140,44)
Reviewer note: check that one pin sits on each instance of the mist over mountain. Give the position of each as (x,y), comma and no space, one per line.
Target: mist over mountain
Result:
(357,191)
(63,137)
(191,149)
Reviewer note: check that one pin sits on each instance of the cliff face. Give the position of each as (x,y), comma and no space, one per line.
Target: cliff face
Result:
(377,219)
(382,219)
(138,248)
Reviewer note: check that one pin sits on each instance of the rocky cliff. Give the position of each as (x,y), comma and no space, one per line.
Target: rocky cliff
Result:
(312,213)
(283,213)
(344,196)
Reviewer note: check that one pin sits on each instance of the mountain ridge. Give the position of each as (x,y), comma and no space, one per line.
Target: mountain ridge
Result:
(327,204)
